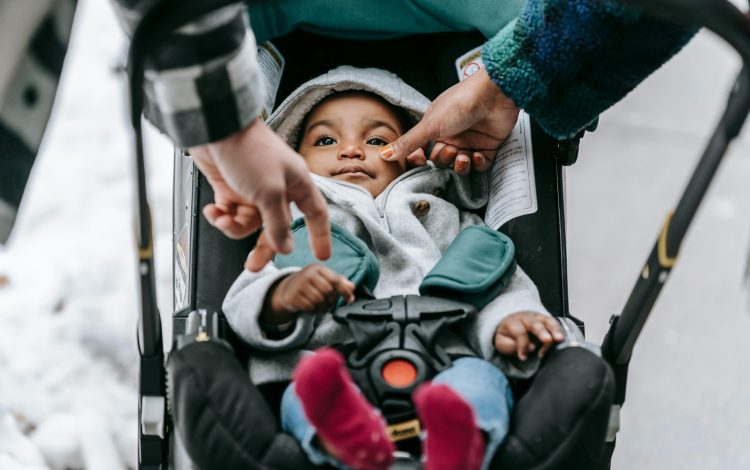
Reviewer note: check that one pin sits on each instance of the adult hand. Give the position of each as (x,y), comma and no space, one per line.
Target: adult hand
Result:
(467,122)
(255,175)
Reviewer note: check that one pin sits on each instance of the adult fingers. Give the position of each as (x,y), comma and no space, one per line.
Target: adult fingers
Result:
(445,156)
(418,136)
(212,212)
(417,158)
(261,254)
(436,149)
(228,224)
(249,217)
(479,162)
(274,211)
(313,205)
(462,165)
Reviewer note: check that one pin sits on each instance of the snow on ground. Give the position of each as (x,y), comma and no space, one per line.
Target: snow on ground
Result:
(68,356)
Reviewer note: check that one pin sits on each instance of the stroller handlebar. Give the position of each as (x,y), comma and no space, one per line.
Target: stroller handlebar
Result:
(720,16)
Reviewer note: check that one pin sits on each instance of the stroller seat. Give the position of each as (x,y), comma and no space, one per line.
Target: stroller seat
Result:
(219,419)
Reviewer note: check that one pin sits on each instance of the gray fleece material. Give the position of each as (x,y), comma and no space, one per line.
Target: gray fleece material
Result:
(407,245)
(288,116)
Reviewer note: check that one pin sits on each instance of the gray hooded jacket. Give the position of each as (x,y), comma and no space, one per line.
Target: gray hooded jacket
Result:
(408,227)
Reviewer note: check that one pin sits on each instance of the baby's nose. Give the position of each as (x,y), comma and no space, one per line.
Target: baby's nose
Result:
(352,151)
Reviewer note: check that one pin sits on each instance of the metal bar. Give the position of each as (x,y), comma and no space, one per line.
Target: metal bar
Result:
(618,345)
(162,18)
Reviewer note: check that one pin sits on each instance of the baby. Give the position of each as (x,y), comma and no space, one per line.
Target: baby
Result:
(338,122)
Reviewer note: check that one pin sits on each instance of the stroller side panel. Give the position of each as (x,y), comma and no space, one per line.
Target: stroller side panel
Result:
(540,237)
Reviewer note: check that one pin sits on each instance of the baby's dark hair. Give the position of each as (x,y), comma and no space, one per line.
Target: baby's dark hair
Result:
(405,121)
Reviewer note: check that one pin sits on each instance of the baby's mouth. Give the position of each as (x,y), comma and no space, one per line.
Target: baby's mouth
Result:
(353,169)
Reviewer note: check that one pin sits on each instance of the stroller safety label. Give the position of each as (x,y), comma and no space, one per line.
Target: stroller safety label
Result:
(512,184)
(271,66)
(469,63)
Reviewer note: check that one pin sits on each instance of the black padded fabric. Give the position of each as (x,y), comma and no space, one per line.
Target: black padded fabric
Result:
(226,423)
(560,423)
(221,416)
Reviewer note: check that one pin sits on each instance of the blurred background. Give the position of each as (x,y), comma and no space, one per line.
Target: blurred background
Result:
(68,279)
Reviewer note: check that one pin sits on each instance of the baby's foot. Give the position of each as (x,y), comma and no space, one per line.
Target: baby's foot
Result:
(454,442)
(346,423)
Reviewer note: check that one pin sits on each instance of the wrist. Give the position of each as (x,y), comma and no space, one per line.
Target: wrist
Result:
(492,93)
(238,138)
(275,311)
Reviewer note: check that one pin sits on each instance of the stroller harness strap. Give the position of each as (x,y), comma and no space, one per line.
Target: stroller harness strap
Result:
(394,347)
(474,269)
(350,256)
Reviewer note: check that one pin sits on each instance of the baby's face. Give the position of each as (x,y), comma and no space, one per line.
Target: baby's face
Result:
(342,140)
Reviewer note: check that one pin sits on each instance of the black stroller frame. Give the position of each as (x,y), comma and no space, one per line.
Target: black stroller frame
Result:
(202,337)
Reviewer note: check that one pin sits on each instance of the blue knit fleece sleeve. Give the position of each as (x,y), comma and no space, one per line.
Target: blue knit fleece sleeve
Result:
(566,61)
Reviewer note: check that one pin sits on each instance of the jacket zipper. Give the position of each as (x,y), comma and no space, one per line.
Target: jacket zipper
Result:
(380,206)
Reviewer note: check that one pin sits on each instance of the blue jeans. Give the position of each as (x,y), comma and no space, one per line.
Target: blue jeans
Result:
(484,387)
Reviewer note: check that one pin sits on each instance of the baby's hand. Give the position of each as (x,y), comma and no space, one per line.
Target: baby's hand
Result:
(512,335)
(313,289)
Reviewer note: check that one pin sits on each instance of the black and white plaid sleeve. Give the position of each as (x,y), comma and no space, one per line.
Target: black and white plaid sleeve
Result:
(204,83)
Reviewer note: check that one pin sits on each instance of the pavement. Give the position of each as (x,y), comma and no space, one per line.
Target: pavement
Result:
(686,403)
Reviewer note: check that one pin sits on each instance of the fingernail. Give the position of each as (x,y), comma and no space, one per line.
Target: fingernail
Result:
(387,151)
(460,165)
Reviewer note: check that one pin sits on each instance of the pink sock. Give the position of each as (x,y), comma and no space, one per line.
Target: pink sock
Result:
(346,423)
(454,442)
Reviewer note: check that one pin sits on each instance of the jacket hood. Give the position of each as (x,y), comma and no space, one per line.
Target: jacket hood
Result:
(288,116)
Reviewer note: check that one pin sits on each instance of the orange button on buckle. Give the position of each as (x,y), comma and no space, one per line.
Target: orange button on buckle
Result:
(399,373)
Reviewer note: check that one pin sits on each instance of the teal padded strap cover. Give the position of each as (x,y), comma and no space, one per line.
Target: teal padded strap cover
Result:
(475,268)
(350,256)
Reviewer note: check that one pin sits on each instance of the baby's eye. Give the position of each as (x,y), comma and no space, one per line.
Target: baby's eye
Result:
(377,141)
(325,140)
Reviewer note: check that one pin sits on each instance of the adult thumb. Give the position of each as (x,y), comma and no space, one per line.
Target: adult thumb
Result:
(418,136)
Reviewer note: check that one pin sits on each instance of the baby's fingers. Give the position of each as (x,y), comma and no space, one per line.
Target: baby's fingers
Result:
(340,284)
(324,294)
(539,329)
(517,330)
(551,335)
(505,344)
(553,326)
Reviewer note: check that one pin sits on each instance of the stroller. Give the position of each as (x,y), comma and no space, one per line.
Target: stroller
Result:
(567,417)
